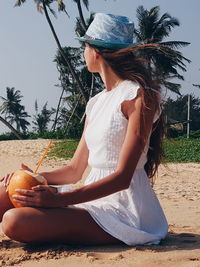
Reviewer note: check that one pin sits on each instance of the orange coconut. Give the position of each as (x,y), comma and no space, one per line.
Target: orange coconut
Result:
(23,179)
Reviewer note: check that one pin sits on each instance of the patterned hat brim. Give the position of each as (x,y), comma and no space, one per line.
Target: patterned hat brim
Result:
(101,43)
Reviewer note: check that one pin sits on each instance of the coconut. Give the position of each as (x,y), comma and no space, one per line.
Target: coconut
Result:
(23,179)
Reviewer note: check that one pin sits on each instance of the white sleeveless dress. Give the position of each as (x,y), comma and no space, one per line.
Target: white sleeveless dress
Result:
(134,215)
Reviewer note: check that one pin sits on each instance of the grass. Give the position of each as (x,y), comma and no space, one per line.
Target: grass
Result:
(182,150)
(63,149)
(176,150)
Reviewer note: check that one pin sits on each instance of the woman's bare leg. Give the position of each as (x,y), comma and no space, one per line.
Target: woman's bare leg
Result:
(68,225)
(5,203)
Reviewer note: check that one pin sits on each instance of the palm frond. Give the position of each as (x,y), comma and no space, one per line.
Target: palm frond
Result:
(168,18)
(52,11)
(173,87)
(61,7)
(86,4)
(19,2)
(175,44)
(39,6)
(196,85)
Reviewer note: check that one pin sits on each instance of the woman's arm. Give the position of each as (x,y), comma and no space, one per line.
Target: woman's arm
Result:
(140,120)
(73,172)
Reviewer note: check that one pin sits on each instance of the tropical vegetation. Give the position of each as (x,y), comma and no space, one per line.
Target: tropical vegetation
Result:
(164,62)
(78,85)
(176,112)
(13,110)
(176,150)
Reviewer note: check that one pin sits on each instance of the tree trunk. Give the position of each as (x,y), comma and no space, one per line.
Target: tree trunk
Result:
(11,128)
(73,111)
(57,110)
(67,61)
(83,24)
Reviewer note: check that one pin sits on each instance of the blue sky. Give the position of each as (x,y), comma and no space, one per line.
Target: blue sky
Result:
(27,47)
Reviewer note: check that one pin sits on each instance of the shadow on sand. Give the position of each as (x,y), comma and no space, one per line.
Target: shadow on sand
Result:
(23,252)
(173,241)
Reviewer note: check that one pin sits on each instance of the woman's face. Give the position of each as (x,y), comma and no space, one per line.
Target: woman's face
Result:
(90,56)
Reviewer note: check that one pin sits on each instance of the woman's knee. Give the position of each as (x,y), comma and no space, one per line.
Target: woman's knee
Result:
(5,203)
(14,224)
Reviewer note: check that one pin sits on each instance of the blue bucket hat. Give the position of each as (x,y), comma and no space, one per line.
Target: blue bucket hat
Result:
(109,31)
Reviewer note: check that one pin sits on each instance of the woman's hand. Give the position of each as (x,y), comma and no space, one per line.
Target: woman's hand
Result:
(6,180)
(26,168)
(43,196)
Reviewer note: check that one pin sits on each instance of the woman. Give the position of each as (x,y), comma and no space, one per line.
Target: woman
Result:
(116,204)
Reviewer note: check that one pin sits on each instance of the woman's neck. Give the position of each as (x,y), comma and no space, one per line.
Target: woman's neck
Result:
(109,78)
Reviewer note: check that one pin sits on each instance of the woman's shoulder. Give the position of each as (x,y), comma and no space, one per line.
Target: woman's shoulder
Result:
(129,90)
(94,98)
(91,102)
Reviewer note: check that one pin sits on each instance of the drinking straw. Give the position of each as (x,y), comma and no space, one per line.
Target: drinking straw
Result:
(42,158)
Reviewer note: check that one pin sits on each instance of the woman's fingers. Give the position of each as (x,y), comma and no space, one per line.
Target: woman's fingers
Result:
(41,187)
(24,192)
(26,197)
(3,178)
(26,200)
(25,167)
(8,178)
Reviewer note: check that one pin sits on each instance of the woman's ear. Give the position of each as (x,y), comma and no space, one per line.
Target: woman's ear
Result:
(96,55)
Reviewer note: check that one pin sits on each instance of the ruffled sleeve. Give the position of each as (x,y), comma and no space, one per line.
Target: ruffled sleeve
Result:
(129,91)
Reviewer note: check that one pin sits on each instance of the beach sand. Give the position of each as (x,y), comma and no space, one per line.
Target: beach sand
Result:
(178,189)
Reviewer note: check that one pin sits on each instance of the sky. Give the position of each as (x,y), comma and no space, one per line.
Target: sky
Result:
(27,47)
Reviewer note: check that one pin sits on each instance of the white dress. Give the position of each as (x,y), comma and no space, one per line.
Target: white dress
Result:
(134,215)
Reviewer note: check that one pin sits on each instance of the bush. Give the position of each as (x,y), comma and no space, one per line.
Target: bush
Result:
(182,150)
(193,134)
(7,136)
(64,149)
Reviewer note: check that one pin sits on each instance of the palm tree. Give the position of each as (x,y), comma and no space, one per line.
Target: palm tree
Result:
(13,110)
(81,18)
(20,119)
(73,101)
(42,5)
(13,130)
(164,61)
(12,100)
(42,119)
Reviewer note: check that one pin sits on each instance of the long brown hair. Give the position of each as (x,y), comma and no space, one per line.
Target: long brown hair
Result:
(129,66)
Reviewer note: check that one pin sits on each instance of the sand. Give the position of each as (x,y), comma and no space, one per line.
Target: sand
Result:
(178,189)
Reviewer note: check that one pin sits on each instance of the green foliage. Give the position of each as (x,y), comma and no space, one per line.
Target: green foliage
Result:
(182,150)
(59,134)
(163,63)
(7,136)
(42,119)
(195,134)
(176,113)
(63,149)
(176,150)
(56,135)
(12,109)
(72,107)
